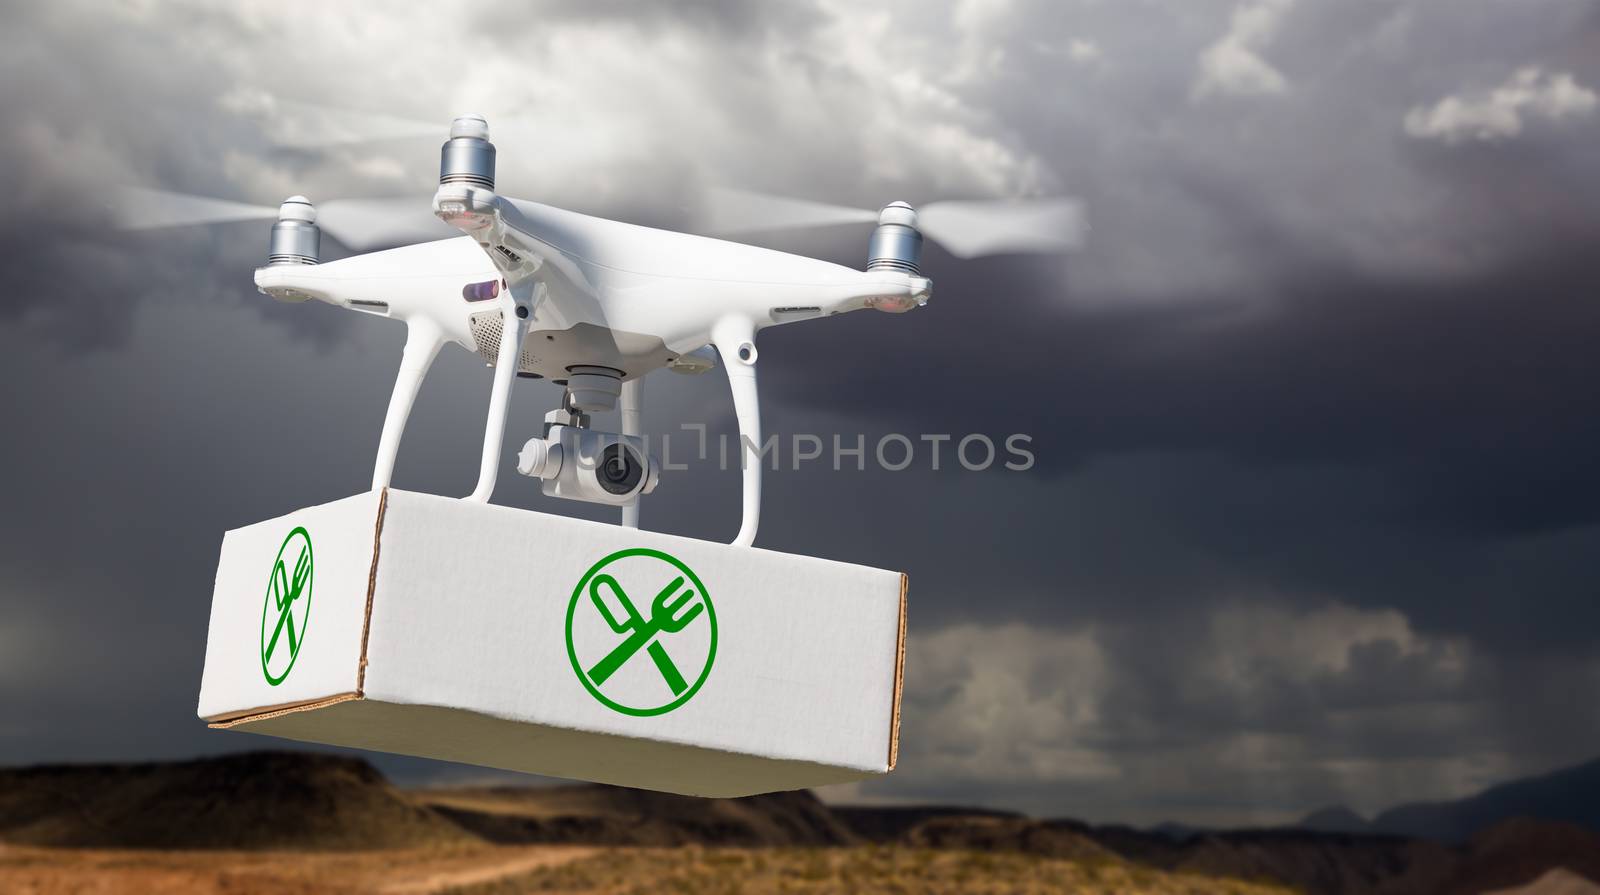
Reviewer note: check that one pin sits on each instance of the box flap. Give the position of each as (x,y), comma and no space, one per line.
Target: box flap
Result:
(289,609)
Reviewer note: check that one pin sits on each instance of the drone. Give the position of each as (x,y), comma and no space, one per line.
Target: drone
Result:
(595,305)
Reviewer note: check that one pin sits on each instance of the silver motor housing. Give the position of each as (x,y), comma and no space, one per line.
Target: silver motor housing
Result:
(897,243)
(295,236)
(468,156)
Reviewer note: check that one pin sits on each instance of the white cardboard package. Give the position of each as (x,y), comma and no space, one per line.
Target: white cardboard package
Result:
(450,629)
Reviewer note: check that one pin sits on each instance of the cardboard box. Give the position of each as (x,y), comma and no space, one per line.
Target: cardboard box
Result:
(450,629)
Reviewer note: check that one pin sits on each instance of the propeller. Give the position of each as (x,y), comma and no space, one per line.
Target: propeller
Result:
(300,125)
(967,229)
(359,224)
(291,124)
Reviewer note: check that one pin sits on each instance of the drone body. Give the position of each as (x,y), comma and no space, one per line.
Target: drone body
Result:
(585,302)
(599,292)
(594,304)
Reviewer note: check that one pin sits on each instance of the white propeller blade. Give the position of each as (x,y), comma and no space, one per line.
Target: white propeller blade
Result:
(967,229)
(311,126)
(362,224)
(300,125)
(358,224)
(136,208)
(971,229)
(739,211)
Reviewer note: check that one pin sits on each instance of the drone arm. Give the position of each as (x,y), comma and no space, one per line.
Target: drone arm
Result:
(735,341)
(423,341)
(513,329)
(632,397)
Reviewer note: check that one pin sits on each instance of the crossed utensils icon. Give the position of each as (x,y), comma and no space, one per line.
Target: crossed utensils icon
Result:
(286,589)
(665,616)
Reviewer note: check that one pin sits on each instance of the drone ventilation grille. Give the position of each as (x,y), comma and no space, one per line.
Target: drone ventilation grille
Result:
(487,330)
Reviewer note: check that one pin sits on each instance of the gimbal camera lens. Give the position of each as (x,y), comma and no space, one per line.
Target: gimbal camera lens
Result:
(619,470)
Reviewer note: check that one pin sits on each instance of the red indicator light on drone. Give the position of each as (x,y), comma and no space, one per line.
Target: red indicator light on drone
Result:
(481,291)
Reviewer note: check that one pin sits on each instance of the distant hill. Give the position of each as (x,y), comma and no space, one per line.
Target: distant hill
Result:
(1174,830)
(610,815)
(260,800)
(1320,863)
(1335,819)
(885,823)
(1568,796)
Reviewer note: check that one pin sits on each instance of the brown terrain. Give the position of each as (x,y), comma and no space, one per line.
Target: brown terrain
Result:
(265,800)
(284,822)
(608,815)
(1554,882)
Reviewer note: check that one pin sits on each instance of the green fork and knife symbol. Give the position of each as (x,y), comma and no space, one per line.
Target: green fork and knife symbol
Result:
(666,615)
(286,589)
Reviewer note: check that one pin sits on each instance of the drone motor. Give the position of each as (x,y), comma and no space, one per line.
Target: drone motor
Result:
(468,156)
(897,243)
(896,247)
(295,237)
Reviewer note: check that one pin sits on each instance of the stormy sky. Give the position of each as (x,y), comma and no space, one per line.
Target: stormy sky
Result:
(1315,516)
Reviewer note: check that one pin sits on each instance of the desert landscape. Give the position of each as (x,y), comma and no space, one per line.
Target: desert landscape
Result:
(291,822)
(316,823)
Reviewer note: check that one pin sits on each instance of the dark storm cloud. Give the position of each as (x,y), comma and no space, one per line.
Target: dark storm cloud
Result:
(1314,381)
(1413,318)
(1205,708)
(131,112)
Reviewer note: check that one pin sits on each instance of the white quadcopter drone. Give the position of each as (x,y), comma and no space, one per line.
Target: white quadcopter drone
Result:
(595,305)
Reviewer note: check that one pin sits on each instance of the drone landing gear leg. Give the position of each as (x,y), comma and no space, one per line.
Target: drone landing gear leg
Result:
(735,341)
(632,396)
(423,341)
(512,330)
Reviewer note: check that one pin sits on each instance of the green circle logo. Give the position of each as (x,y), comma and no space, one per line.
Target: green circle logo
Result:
(287,607)
(632,656)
